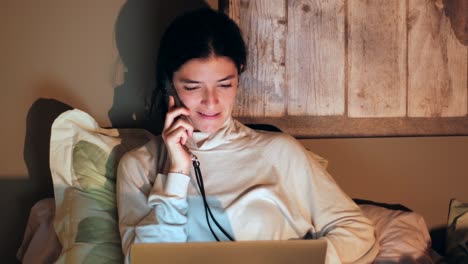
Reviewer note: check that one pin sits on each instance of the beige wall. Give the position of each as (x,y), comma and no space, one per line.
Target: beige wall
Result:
(67,50)
(64,50)
(422,173)
(50,51)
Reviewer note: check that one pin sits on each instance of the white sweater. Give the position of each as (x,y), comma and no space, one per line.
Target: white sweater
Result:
(259,185)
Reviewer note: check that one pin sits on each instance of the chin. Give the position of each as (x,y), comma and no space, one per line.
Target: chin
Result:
(209,128)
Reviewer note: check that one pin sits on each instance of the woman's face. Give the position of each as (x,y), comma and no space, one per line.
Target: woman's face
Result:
(207,87)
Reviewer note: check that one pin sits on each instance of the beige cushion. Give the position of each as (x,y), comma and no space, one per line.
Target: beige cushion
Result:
(83,162)
(403,236)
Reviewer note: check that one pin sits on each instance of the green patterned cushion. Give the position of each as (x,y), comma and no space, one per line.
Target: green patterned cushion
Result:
(83,161)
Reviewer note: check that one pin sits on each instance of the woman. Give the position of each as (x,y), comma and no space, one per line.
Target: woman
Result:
(257,185)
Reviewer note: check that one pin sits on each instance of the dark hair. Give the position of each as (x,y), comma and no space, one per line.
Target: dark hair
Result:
(199,34)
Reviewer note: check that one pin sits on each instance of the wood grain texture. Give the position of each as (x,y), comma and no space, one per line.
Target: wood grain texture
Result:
(233,10)
(315,57)
(377,58)
(342,126)
(437,63)
(262,85)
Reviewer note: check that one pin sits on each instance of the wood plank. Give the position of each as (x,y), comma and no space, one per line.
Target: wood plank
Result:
(437,63)
(377,58)
(262,85)
(233,9)
(315,57)
(344,127)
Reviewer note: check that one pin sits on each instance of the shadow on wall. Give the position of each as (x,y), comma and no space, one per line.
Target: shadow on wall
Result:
(138,30)
(39,121)
(19,195)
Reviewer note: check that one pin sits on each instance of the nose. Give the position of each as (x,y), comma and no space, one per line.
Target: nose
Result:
(210,97)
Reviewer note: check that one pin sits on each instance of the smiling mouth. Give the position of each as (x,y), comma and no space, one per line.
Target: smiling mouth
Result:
(209,115)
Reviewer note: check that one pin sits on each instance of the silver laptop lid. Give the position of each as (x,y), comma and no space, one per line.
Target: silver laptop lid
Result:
(245,252)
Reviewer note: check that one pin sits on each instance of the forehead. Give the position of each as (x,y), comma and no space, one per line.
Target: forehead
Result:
(213,67)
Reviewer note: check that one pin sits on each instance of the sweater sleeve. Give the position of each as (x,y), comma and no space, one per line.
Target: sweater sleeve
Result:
(335,217)
(349,234)
(150,213)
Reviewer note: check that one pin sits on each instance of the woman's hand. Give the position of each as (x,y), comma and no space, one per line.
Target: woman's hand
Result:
(175,134)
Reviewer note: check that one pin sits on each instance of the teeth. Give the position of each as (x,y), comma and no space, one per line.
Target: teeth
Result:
(208,114)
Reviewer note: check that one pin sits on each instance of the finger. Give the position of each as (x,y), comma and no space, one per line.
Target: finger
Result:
(182,122)
(183,140)
(177,136)
(173,114)
(167,135)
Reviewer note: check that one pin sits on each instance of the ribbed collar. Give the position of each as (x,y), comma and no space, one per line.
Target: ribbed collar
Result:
(229,131)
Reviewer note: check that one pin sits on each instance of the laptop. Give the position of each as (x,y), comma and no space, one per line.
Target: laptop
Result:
(245,252)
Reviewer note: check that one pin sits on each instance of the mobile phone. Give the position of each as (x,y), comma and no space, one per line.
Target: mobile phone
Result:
(178,103)
(171,91)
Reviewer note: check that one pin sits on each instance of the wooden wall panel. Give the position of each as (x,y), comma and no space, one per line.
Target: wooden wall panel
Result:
(377,58)
(405,65)
(315,57)
(233,9)
(263,23)
(437,63)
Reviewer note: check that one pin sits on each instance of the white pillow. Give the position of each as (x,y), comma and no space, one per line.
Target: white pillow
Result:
(83,163)
(403,236)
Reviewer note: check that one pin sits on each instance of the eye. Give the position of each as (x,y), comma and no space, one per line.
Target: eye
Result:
(226,85)
(191,88)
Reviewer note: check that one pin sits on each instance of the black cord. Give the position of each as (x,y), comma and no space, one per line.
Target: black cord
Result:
(202,191)
(208,209)
(198,175)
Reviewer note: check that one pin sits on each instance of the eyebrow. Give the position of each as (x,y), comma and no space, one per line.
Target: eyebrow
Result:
(227,78)
(188,81)
(184,80)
